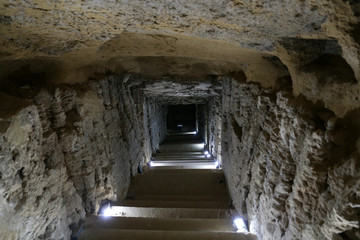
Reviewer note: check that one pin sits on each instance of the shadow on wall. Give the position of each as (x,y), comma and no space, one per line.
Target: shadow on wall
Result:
(24,78)
(321,57)
(330,68)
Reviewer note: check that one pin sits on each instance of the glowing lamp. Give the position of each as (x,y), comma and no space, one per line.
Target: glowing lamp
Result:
(108,211)
(240,225)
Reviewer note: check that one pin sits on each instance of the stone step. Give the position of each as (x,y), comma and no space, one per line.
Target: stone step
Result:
(180,158)
(211,225)
(173,162)
(176,204)
(166,160)
(179,153)
(182,146)
(203,198)
(181,141)
(186,166)
(154,212)
(183,138)
(177,158)
(115,234)
(184,133)
(179,182)
(185,172)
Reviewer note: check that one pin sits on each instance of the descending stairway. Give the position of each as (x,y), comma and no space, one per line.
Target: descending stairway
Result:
(183,150)
(182,196)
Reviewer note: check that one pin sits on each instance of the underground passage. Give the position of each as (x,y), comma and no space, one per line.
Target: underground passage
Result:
(223,119)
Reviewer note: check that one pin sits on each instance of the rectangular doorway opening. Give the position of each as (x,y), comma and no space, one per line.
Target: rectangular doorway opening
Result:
(181,118)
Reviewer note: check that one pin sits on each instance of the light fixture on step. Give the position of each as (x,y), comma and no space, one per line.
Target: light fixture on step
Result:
(206,152)
(112,211)
(240,225)
(151,163)
(194,132)
(217,164)
(208,155)
(108,211)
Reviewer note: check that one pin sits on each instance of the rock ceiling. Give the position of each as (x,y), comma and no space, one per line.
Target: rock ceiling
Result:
(89,29)
(73,41)
(182,91)
(52,28)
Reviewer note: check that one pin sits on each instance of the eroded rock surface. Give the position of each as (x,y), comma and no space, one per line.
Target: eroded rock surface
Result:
(291,172)
(73,147)
(36,200)
(77,24)
(74,40)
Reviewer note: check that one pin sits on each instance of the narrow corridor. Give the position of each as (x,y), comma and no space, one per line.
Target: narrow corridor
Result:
(181,196)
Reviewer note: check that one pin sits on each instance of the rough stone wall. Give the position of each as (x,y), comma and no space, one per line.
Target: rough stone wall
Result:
(292,167)
(201,120)
(214,127)
(65,152)
(37,199)
(124,116)
(156,120)
(319,71)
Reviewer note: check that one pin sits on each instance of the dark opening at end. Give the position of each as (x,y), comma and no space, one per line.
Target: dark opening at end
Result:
(181,118)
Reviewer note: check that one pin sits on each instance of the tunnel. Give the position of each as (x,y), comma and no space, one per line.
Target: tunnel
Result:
(90,91)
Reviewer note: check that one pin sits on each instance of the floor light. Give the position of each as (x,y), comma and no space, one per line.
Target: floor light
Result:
(240,225)
(108,211)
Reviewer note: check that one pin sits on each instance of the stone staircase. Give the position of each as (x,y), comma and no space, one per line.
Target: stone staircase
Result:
(182,196)
(183,151)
